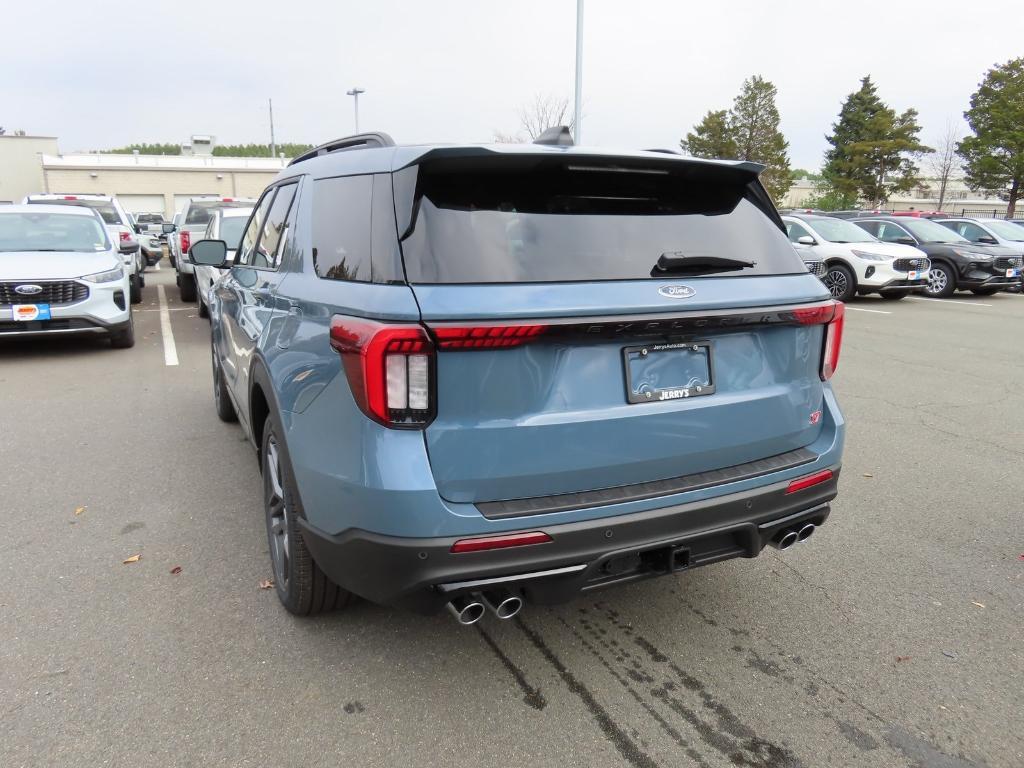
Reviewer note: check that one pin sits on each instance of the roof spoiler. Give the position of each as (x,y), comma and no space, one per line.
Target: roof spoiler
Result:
(357,141)
(557,136)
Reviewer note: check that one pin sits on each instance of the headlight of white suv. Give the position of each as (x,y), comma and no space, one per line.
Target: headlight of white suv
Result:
(867,256)
(105,277)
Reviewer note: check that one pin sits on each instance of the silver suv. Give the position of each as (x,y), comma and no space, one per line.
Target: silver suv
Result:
(194,218)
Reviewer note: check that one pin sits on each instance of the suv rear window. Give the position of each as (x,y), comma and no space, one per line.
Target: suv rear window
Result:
(106,210)
(199,211)
(541,219)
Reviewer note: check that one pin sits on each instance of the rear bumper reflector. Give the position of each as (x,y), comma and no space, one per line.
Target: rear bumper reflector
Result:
(502,541)
(802,483)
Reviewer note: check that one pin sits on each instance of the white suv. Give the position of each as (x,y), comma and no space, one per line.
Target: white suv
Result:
(61,273)
(988,232)
(194,218)
(119,225)
(856,263)
(226,224)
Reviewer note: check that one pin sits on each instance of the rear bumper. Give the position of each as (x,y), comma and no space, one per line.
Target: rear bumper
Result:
(422,574)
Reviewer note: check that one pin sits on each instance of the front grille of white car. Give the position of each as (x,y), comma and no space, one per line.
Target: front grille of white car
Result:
(908,265)
(53,292)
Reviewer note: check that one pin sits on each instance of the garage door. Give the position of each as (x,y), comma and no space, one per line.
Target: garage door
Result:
(142,203)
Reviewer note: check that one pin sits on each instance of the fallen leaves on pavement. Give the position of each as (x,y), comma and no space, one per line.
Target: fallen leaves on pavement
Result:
(868,474)
(266,583)
(80,510)
(132,559)
(975,602)
(175,570)
(902,658)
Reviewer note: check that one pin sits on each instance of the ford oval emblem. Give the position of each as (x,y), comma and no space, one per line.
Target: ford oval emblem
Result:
(676,291)
(28,290)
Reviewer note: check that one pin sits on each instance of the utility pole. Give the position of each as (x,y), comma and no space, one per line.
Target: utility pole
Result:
(354,93)
(273,146)
(578,107)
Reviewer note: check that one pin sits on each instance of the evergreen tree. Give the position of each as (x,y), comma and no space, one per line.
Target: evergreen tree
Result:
(748,131)
(754,127)
(872,148)
(711,137)
(994,155)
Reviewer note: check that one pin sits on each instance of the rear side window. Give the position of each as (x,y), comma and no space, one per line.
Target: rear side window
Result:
(341,227)
(515,219)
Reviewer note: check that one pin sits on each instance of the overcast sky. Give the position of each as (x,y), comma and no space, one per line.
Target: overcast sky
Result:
(103,74)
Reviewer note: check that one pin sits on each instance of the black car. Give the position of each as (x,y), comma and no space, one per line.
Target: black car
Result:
(957,263)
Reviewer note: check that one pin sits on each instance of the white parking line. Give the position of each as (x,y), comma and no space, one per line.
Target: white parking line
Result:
(948,301)
(170,351)
(861,309)
(169,309)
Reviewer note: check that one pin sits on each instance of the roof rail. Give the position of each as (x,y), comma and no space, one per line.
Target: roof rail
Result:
(358,141)
(556,135)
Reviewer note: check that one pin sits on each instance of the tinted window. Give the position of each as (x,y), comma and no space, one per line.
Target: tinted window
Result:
(891,233)
(930,232)
(274,228)
(970,231)
(341,227)
(524,219)
(252,232)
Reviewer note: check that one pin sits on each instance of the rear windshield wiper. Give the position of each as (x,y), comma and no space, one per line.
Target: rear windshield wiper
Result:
(677,261)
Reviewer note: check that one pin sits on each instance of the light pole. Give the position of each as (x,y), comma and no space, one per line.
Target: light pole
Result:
(354,93)
(578,107)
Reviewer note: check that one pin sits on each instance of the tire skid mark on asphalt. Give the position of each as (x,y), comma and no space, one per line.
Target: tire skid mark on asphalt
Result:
(531,695)
(729,736)
(666,726)
(611,729)
(894,735)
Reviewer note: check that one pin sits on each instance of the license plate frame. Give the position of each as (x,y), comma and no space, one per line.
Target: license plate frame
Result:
(663,394)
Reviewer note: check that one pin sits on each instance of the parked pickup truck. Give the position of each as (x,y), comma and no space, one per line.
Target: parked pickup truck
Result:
(194,218)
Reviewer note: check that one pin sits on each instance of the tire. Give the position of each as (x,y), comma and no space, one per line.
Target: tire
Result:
(984,291)
(135,289)
(941,281)
(187,286)
(124,337)
(892,295)
(301,586)
(840,282)
(221,399)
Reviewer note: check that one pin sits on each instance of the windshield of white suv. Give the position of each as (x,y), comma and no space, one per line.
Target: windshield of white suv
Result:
(930,232)
(102,207)
(51,232)
(1007,230)
(839,231)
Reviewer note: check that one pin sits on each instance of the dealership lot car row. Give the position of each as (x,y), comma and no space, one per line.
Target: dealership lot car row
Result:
(441,309)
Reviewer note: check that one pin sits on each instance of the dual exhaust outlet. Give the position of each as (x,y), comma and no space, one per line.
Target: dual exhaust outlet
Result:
(469,609)
(787,537)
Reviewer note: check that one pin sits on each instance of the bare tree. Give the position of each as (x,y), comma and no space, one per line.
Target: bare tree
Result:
(944,164)
(542,113)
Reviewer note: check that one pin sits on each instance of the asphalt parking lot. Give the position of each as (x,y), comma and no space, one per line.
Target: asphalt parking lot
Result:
(892,638)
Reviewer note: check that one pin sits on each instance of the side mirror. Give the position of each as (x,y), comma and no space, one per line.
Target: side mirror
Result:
(129,247)
(209,253)
(988,239)
(906,241)
(137,228)
(806,240)
(167,228)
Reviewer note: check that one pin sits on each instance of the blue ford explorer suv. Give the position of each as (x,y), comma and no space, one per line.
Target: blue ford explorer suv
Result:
(483,376)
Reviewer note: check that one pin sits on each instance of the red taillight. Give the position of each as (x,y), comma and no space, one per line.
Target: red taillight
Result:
(70,197)
(227,199)
(481,543)
(806,482)
(486,336)
(124,236)
(185,237)
(388,367)
(832,315)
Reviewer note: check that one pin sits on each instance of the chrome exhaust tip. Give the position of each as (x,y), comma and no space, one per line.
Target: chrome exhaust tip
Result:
(503,604)
(786,540)
(466,610)
(805,532)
